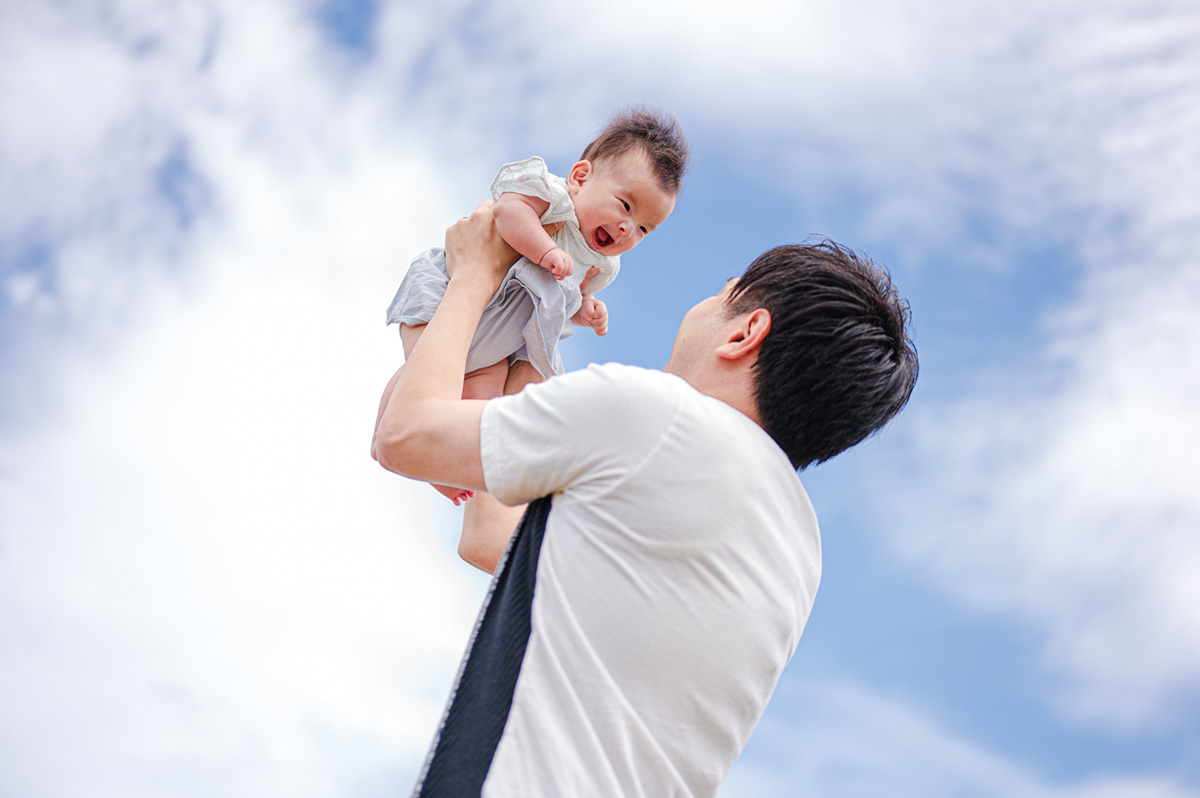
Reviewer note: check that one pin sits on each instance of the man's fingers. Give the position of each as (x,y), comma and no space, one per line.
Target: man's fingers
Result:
(479,219)
(474,243)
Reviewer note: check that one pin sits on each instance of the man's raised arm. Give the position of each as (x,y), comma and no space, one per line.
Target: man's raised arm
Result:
(427,431)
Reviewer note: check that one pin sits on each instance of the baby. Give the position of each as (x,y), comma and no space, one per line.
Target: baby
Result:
(622,188)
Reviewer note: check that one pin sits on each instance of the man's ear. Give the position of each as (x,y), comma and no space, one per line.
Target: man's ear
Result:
(746,338)
(579,173)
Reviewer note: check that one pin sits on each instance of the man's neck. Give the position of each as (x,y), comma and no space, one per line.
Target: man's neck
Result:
(732,386)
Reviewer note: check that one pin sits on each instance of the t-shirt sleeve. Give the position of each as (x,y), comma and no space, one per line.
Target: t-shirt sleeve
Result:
(584,431)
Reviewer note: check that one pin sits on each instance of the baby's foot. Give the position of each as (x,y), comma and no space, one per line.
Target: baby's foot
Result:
(456,495)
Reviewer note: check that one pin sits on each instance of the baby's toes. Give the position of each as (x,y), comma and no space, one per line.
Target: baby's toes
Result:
(456,495)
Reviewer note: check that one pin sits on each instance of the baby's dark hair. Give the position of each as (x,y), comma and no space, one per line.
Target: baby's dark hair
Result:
(657,133)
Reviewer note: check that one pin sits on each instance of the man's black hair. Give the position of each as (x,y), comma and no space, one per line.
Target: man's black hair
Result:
(837,363)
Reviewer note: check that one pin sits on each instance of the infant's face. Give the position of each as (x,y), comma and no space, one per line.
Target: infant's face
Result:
(618,202)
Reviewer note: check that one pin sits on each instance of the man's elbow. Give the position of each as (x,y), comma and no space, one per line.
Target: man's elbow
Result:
(396,450)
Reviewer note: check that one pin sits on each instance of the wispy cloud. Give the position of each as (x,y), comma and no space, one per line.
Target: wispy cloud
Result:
(206,206)
(846,741)
(1058,490)
(207,585)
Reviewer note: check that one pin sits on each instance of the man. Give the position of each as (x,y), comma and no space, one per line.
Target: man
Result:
(644,611)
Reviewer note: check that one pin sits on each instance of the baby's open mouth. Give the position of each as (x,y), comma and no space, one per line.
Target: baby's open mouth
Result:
(602,238)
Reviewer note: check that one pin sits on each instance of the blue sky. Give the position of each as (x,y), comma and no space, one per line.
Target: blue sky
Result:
(206,586)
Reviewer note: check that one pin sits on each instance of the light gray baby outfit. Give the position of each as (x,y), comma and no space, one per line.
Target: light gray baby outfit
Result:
(531,311)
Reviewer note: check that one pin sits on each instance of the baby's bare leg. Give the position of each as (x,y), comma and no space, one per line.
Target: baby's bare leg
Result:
(409,335)
(487,527)
(486,383)
(487,524)
(520,374)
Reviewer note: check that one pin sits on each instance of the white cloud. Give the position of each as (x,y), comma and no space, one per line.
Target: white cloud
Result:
(842,740)
(261,610)
(1075,510)
(202,567)
(208,587)
(86,125)
(1060,490)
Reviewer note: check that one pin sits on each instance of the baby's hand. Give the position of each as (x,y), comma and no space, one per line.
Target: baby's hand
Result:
(558,263)
(592,313)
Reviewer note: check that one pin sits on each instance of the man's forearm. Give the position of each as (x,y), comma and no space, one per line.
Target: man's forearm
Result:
(435,368)
(427,431)
(412,435)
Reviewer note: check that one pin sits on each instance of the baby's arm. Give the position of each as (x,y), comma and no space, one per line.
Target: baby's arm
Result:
(518,219)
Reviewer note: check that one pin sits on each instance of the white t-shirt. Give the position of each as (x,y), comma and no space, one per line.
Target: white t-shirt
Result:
(678,564)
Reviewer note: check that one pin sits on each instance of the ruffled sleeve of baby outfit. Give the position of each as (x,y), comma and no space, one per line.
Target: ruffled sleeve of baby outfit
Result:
(531,178)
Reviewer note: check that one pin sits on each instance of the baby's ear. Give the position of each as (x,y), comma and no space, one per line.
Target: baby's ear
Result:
(579,173)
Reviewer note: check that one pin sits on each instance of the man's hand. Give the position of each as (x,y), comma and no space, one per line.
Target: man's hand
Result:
(475,250)
(592,313)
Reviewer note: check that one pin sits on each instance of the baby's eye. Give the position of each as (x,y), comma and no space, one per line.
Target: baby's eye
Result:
(626,204)
(643,230)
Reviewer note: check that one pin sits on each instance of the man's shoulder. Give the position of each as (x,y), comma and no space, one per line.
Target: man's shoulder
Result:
(626,372)
(624,384)
(604,393)
(716,431)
